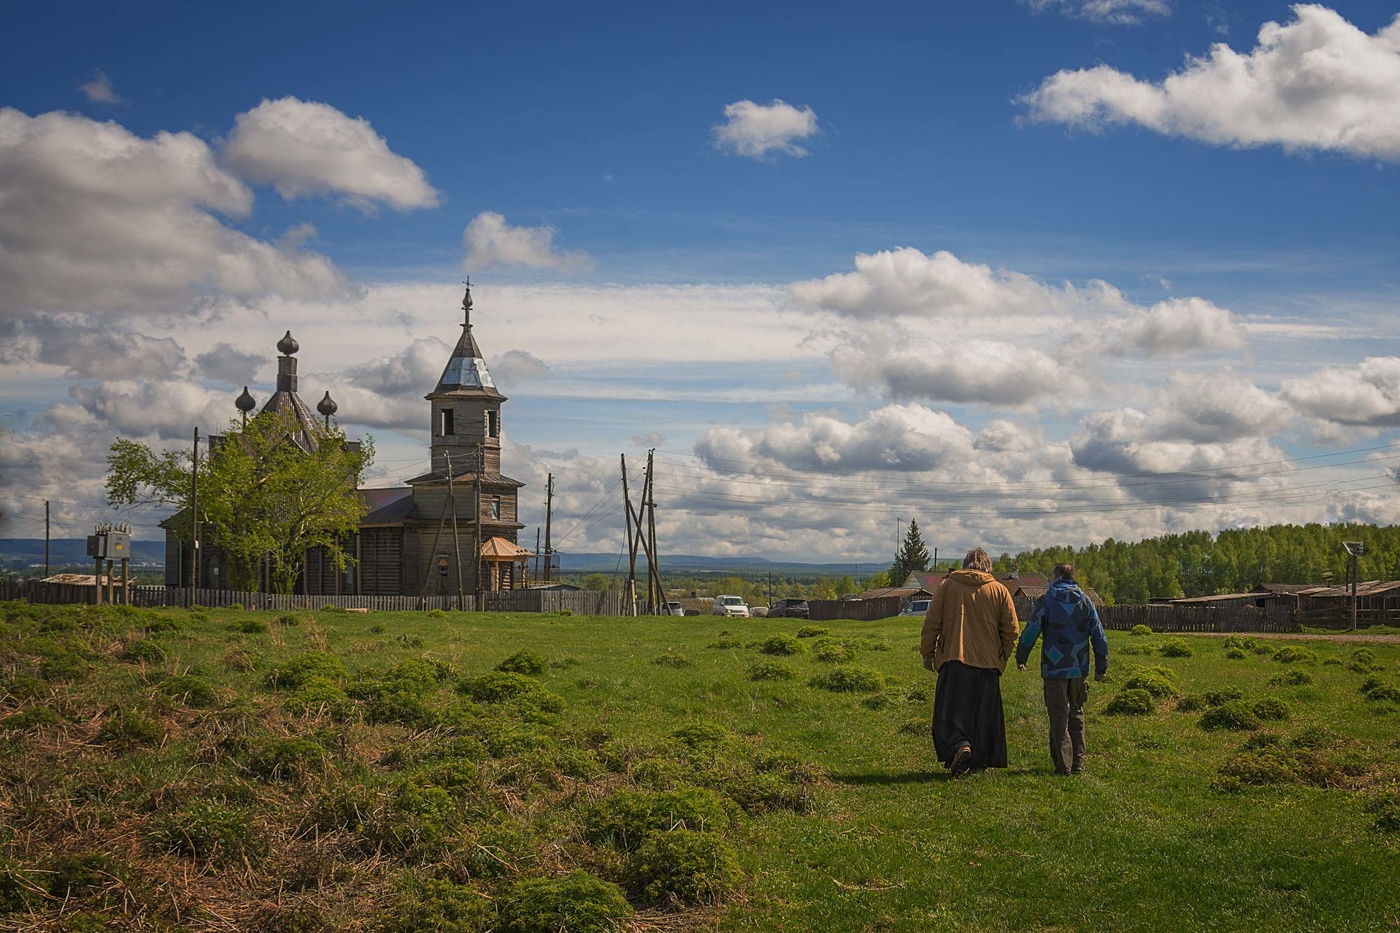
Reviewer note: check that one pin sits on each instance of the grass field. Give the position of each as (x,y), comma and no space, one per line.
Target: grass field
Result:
(222,770)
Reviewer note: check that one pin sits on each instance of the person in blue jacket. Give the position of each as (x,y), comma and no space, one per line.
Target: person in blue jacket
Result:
(1067,622)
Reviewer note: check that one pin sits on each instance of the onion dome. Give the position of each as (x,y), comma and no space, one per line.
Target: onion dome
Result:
(288,345)
(327,405)
(246,402)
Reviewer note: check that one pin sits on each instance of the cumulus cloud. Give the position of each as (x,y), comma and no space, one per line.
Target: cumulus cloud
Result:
(490,241)
(99,219)
(86,350)
(1316,83)
(905,281)
(1217,408)
(99,90)
(1178,325)
(168,409)
(961,370)
(412,371)
(1366,395)
(1115,12)
(309,149)
(226,363)
(515,366)
(756,130)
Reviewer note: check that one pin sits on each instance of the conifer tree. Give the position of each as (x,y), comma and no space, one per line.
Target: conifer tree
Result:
(913,557)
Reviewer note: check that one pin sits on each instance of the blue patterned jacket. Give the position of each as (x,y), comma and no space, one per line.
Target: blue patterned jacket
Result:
(1069,622)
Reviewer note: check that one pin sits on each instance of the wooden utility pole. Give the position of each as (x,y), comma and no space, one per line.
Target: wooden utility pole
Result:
(46,537)
(456,541)
(432,555)
(480,540)
(537,553)
(631,541)
(548,515)
(655,593)
(194,518)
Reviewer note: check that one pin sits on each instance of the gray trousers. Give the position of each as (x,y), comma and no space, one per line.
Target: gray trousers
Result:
(1064,701)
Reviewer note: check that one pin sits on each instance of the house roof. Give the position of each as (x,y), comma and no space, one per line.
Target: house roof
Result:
(931,581)
(1364,588)
(903,592)
(1037,590)
(74,579)
(1283,588)
(1217,598)
(388,506)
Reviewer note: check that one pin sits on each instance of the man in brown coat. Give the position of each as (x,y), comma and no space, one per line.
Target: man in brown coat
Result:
(969,633)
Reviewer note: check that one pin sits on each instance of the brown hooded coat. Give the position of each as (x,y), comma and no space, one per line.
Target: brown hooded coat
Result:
(971,619)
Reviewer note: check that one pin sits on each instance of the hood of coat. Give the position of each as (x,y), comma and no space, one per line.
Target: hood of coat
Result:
(972,578)
(1066,590)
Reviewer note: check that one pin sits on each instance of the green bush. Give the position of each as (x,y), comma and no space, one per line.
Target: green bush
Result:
(298,670)
(684,867)
(771,670)
(285,759)
(1387,813)
(780,643)
(436,614)
(626,818)
(26,720)
(1272,709)
(853,679)
(249,626)
(1242,642)
(1142,630)
(671,660)
(74,877)
(1223,695)
(1378,691)
(703,735)
(209,832)
(194,692)
(523,662)
(64,667)
(1130,702)
(1135,650)
(1293,678)
(1236,654)
(1157,680)
(1176,648)
(438,905)
(1290,655)
(126,727)
(1191,703)
(578,903)
(289,619)
(813,631)
(1364,657)
(832,652)
(1235,715)
(503,686)
(143,651)
(727,641)
(314,694)
(1260,768)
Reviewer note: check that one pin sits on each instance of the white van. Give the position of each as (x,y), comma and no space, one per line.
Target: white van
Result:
(732,606)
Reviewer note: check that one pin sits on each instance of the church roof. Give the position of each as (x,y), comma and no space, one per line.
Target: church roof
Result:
(499,549)
(488,479)
(466,371)
(286,401)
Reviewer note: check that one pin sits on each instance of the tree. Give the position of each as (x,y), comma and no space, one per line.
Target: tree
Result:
(260,495)
(913,557)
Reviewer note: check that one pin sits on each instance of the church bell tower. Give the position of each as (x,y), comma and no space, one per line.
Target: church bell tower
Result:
(466,408)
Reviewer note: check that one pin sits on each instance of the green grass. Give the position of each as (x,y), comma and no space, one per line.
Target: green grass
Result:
(377,771)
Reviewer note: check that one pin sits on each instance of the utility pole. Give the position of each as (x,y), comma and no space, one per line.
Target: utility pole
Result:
(1355,549)
(46,537)
(194,518)
(653,561)
(548,515)
(537,553)
(476,549)
(456,541)
(631,541)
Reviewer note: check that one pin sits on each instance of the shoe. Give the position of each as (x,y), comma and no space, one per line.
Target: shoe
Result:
(962,760)
(1061,772)
(1077,768)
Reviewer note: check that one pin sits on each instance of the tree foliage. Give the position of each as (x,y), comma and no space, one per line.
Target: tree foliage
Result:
(260,495)
(913,556)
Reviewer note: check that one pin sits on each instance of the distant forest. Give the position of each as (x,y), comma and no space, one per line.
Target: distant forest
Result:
(1235,560)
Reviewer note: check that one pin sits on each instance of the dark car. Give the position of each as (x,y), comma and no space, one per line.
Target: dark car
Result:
(789,609)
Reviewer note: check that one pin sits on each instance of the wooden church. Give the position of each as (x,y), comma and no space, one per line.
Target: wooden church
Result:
(451,530)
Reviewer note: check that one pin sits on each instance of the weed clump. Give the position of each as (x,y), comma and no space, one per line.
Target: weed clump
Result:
(771,670)
(1142,630)
(64,667)
(1236,715)
(437,614)
(831,651)
(503,686)
(1157,680)
(300,669)
(285,759)
(1258,768)
(576,902)
(1223,695)
(726,641)
(625,819)
(525,662)
(1293,678)
(1378,691)
(1191,703)
(1176,648)
(208,832)
(1272,709)
(1290,655)
(684,867)
(1362,661)
(813,631)
(672,660)
(28,720)
(1241,642)
(248,626)
(780,643)
(1130,701)
(316,693)
(1236,654)
(1387,813)
(1136,649)
(703,735)
(194,692)
(126,727)
(143,651)
(289,620)
(852,679)
(441,905)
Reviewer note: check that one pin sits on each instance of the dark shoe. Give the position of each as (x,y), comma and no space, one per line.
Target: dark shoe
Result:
(1077,768)
(1061,772)
(962,760)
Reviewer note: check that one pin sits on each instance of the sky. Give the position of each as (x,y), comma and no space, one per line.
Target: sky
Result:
(1031,272)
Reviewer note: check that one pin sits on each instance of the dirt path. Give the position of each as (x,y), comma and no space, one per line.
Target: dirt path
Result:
(1305,636)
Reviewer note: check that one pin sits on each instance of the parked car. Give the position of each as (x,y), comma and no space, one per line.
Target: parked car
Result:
(758,611)
(732,606)
(789,609)
(917,607)
(675,608)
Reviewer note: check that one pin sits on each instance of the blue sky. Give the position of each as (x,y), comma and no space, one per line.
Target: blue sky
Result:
(1034,271)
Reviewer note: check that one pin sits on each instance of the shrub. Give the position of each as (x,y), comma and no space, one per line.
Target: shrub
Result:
(440,905)
(193,691)
(285,759)
(578,902)
(300,669)
(127,727)
(289,619)
(523,662)
(1240,641)
(314,693)
(920,727)
(501,686)
(333,609)
(672,660)
(1364,657)
(209,832)
(1130,702)
(419,821)
(771,670)
(1191,703)
(249,626)
(1142,630)
(1235,715)
(627,817)
(1378,691)
(703,735)
(851,679)
(1314,737)
(1387,811)
(80,876)
(1223,695)
(1260,768)
(1156,680)
(143,650)
(35,717)
(1176,648)
(234,607)
(833,652)
(437,614)
(63,667)
(685,867)
(1290,655)
(1236,654)
(813,631)
(780,643)
(1136,649)
(1272,709)
(1293,678)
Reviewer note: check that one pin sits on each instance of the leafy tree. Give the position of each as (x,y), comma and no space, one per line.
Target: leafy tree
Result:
(913,556)
(260,495)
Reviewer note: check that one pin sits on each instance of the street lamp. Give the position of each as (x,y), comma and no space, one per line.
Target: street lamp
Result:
(1355,549)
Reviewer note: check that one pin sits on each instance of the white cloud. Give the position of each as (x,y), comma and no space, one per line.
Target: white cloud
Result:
(959,370)
(1116,12)
(87,350)
(756,130)
(226,363)
(1316,83)
(1217,407)
(1367,394)
(99,90)
(309,149)
(98,219)
(1178,325)
(490,241)
(516,366)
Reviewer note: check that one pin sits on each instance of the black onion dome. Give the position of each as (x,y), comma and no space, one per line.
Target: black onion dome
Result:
(327,405)
(288,345)
(246,402)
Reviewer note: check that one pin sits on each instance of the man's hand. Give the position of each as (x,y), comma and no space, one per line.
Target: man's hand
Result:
(928,664)
(1098,677)
(1020,667)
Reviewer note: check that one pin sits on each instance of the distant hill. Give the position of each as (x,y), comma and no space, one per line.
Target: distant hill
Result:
(22,553)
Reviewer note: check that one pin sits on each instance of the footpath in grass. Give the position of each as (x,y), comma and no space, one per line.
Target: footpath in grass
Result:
(220,769)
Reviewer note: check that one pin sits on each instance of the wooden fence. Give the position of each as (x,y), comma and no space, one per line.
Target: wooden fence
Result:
(861,610)
(1168,618)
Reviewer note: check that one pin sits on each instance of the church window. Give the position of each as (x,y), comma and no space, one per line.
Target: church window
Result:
(447,423)
(496,507)
(493,423)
